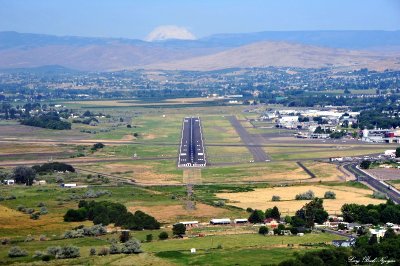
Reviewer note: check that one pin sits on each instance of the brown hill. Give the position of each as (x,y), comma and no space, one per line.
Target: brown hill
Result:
(285,54)
(101,57)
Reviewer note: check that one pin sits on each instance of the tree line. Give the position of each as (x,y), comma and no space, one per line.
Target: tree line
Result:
(50,120)
(105,213)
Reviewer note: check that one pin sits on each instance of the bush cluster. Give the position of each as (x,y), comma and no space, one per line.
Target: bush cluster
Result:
(308,195)
(95,230)
(17,252)
(90,194)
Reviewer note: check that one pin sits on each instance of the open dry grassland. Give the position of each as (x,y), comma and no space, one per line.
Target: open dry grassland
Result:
(178,212)
(271,172)
(149,172)
(261,198)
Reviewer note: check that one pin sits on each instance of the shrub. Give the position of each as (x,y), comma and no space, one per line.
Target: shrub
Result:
(219,203)
(308,195)
(149,237)
(163,235)
(42,238)
(114,249)
(29,211)
(41,204)
(379,195)
(95,230)
(263,230)
(38,254)
(21,208)
(11,197)
(29,238)
(330,195)
(131,246)
(53,251)
(249,210)
(17,252)
(92,251)
(5,241)
(276,198)
(35,216)
(43,211)
(103,252)
(68,252)
(46,257)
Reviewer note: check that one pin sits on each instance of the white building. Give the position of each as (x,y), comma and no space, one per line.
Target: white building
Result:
(240,221)
(9,182)
(220,221)
(379,232)
(190,223)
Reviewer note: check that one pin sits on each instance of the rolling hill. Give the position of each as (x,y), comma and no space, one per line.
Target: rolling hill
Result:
(373,49)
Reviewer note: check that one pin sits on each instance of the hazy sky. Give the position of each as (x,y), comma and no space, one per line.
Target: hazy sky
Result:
(136,18)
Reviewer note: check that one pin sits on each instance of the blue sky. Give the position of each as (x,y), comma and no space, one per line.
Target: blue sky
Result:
(136,18)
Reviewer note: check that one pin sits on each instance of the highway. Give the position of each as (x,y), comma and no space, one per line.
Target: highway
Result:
(191,150)
(249,140)
(373,182)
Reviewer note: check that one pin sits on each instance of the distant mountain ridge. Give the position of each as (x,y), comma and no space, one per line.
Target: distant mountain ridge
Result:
(25,50)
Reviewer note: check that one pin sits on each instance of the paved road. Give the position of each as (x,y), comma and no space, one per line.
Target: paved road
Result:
(191,150)
(373,182)
(249,140)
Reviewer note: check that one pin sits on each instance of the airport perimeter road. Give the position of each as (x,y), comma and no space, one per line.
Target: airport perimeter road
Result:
(249,140)
(191,151)
(373,182)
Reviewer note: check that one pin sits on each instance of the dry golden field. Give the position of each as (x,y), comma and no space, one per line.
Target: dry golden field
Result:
(174,213)
(261,198)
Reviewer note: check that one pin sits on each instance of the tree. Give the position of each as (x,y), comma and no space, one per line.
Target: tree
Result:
(313,212)
(75,215)
(273,213)
(263,230)
(257,216)
(125,236)
(179,229)
(365,164)
(389,234)
(24,175)
(163,235)
(373,240)
(398,152)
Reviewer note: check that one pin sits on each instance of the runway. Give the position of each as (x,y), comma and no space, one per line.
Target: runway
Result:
(249,140)
(191,150)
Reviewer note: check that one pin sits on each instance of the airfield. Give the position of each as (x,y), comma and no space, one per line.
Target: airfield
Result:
(143,167)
